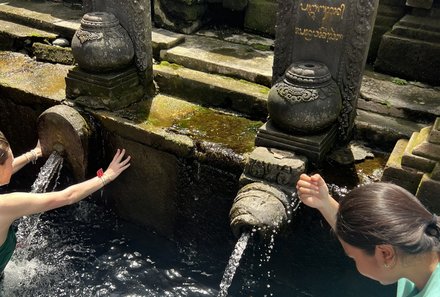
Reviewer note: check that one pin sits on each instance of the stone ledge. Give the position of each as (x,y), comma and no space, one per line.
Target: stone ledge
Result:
(212,90)
(215,56)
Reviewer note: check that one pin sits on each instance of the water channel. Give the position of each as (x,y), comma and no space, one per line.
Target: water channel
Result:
(85,250)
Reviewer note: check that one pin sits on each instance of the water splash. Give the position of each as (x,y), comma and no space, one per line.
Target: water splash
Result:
(233,263)
(52,166)
(27,228)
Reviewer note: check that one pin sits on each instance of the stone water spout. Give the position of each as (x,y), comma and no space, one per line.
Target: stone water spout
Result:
(61,128)
(267,199)
(260,206)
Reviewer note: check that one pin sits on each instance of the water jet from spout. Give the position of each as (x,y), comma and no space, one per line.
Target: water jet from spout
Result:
(233,263)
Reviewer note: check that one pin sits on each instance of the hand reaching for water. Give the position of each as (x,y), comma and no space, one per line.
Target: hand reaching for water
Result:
(117,165)
(313,191)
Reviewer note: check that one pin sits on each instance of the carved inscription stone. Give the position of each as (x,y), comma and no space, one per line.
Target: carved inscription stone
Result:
(335,33)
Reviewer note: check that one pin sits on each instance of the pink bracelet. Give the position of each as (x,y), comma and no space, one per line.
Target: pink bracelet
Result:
(100,174)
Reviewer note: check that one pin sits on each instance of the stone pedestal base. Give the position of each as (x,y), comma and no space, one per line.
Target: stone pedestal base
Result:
(111,91)
(313,147)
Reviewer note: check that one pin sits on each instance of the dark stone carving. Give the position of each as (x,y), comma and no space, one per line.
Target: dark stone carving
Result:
(135,17)
(260,206)
(336,34)
(267,199)
(306,100)
(101,44)
(63,129)
(277,167)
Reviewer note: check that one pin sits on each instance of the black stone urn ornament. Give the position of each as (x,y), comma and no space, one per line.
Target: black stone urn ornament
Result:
(101,44)
(306,100)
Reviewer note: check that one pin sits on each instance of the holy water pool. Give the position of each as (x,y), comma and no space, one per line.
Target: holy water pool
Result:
(85,250)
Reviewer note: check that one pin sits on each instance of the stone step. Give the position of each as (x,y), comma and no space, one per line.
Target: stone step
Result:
(212,55)
(63,21)
(52,17)
(14,36)
(247,98)
(383,131)
(393,97)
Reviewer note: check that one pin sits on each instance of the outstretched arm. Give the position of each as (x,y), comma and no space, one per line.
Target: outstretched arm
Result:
(27,157)
(16,205)
(313,192)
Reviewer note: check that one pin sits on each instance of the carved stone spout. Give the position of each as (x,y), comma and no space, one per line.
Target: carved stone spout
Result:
(267,197)
(259,206)
(61,128)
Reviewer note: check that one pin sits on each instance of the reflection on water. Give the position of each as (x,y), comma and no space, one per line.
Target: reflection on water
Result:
(85,250)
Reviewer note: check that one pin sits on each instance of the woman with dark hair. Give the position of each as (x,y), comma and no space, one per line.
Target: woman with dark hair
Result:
(16,205)
(385,229)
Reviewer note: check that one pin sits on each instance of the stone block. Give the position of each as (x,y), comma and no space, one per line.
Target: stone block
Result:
(418,163)
(434,135)
(428,193)
(179,17)
(405,177)
(428,150)
(260,16)
(435,175)
(235,5)
(277,167)
(411,50)
(53,54)
(111,91)
(426,4)
(315,147)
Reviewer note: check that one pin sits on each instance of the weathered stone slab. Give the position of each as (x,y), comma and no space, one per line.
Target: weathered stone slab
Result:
(260,16)
(21,31)
(53,54)
(233,35)
(278,167)
(212,90)
(22,72)
(428,193)
(164,39)
(412,49)
(51,16)
(386,95)
(394,173)
(434,136)
(428,150)
(435,174)
(216,56)
(386,130)
(426,4)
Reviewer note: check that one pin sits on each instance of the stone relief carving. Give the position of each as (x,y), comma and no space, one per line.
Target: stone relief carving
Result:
(352,65)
